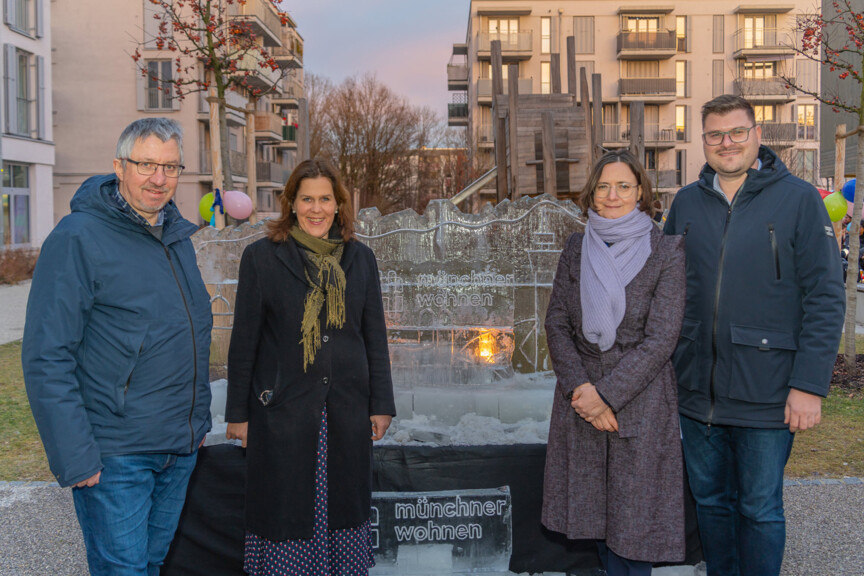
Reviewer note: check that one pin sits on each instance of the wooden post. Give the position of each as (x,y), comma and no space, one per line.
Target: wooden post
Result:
(513,114)
(572,79)
(840,175)
(589,129)
(216,150)
(251,164)
(555,72)
(500,121)
(597,99)
(550,173)
(637,130)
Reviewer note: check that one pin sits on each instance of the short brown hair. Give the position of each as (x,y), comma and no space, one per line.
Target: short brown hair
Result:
(279,230)
(646,203)
(725,104)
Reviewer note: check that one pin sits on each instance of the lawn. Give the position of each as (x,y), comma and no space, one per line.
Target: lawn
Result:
(833,449)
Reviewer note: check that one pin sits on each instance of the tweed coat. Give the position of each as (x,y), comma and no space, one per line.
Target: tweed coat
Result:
(351,373)
(627,487)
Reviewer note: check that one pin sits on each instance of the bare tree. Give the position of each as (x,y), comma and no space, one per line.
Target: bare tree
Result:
(835,40)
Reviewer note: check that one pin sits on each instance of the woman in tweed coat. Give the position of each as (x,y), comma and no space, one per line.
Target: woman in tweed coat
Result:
(614,464)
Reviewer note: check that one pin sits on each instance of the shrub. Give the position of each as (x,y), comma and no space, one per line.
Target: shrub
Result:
(17,264)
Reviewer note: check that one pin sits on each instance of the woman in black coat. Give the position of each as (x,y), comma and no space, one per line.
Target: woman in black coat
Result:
(309,384)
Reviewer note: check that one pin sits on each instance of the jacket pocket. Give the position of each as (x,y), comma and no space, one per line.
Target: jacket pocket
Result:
(687,358)
(124,380)
(762,361)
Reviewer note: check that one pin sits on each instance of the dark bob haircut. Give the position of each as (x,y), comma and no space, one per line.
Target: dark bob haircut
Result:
(646,201)
(279,230)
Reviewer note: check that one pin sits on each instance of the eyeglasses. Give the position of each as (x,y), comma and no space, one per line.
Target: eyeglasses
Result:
(149,168)
(624,190)
(736,135)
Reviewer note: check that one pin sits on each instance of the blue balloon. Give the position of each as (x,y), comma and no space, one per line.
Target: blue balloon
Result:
(849,190)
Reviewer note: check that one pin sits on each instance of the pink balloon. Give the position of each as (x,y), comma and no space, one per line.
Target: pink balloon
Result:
(237,204)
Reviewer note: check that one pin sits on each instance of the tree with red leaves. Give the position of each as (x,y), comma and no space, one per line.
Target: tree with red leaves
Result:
(215,49)
(835,40)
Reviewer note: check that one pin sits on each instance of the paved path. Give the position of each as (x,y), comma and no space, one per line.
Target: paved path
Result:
(39,534)
(13,305)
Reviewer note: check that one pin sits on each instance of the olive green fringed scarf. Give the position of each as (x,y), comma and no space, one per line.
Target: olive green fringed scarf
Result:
(326,280)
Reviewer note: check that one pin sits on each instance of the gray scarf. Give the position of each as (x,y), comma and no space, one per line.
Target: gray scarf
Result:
(613,252)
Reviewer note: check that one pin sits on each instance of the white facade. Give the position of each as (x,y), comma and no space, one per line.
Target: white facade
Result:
(26,138)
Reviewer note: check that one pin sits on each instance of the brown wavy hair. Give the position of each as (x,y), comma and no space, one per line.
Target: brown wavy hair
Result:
(646,203)
(279,229)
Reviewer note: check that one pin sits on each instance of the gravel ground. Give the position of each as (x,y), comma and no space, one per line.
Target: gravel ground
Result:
(39,534)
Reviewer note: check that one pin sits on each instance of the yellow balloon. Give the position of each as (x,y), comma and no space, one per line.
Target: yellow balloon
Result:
(836,205)
(205,206)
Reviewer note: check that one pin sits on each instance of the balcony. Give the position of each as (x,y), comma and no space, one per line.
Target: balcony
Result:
(457,114)
(779,135)
(258,75)
(271,174)
(764,90)
(484,136)
(515,46)
(292,92)
(457,77)
(656,136)
(289,138)
(665,179)
(237,160)
(261,18)
(232,116)
(646,45)
(755,42)
(290,54)
(268,126)
(484,88)
(647,89)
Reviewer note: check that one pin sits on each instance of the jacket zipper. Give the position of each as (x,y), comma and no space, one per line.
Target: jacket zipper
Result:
(194,348)
(129,379)
(774,250)
(717,308)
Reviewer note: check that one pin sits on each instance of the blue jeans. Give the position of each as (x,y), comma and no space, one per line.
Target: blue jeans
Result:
(616,565)
(736,476)
(129,518)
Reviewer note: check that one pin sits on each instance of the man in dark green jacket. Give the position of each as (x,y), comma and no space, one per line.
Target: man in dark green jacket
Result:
(764,313)
(116,352)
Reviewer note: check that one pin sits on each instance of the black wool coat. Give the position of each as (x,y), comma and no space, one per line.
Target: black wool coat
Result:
(351,373)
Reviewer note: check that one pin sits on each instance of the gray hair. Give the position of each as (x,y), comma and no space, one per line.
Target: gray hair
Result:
(163,128)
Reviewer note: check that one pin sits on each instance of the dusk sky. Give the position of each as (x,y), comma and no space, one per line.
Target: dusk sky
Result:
(406,43)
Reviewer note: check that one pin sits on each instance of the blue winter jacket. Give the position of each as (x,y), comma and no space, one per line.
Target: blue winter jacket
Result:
(117,338)
(765,299)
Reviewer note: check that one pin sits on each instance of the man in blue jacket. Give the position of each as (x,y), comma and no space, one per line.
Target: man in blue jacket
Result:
(762,325)
(116,350)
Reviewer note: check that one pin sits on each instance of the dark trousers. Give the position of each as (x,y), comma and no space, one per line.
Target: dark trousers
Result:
(616,565)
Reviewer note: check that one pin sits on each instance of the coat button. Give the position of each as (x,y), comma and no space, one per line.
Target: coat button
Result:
(325,339)
(764,340)
(325,380)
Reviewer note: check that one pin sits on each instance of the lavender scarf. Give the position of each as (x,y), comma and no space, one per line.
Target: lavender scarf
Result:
(613,252)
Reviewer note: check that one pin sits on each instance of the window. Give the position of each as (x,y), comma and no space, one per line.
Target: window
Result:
(545,35)
(583,31)
(718,43)
(25,93)
(680,167)
(681,124)
(152,21)
(804,165)
(759,70)
(681,43)
(24,16)
(15,205)
(545,78)
(156,91)
(651,159)
(641,23)
(759,31)
(681,88)
(717,82)
(806,122)
(764,114)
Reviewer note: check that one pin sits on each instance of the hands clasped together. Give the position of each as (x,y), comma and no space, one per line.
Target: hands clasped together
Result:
(586,402)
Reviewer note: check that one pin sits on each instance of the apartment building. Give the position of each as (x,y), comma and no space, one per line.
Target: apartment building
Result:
(672,56)
(98,90)
(26,146)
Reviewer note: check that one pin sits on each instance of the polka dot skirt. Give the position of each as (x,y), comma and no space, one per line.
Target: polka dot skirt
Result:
(329,552)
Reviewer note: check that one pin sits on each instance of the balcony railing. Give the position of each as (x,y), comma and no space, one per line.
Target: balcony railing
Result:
(260,16)
(237,160)
(484,87)
(779,134)
(659,41)
(775,40)
(514,42)
(262,77)
(457,110)
(457,73)
(271,172)
(647,87)
(764,88)
(665,178)
(268,125)
(233,99)
(654,134)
